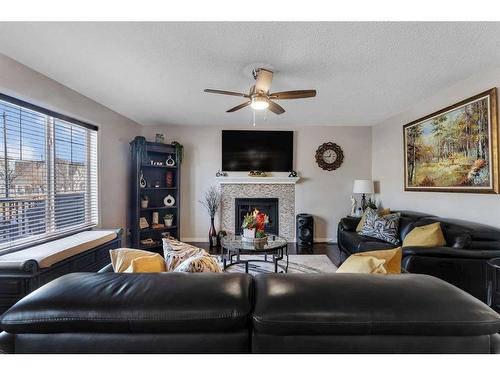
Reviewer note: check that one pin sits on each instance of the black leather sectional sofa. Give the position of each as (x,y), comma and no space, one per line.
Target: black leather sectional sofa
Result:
(238,313)
(462,262)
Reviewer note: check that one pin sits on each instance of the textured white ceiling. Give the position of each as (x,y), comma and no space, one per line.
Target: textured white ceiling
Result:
(155,73)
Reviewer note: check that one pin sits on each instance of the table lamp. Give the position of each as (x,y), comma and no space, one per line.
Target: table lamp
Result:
(363,187)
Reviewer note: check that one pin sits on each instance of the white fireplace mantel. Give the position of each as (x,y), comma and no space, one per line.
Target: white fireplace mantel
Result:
(257,180)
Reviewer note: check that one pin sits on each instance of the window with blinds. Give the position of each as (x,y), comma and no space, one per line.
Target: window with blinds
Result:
(48,174)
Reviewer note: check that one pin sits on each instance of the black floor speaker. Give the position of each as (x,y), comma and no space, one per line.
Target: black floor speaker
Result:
(304,230)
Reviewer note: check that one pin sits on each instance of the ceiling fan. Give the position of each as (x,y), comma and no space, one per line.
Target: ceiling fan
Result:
(259,96)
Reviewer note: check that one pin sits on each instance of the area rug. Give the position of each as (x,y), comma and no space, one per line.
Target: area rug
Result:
(297,264)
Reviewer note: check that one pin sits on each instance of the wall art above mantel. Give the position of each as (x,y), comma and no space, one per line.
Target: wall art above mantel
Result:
(454,149)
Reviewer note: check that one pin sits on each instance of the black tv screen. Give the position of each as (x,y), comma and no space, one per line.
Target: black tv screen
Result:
(247,150)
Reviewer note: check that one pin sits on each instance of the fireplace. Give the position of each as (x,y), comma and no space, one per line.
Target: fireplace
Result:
(269,206)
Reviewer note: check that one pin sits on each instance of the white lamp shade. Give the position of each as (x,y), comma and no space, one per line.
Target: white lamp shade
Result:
(363,187)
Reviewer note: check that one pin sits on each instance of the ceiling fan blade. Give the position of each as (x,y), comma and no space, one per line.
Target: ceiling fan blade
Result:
(276,108)
(223,92)
(243,105)
(295,94)
(263,81)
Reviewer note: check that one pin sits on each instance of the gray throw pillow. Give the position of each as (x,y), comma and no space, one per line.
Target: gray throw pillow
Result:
(383,228)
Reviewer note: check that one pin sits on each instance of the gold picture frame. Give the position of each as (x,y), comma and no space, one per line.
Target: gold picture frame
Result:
(455,149)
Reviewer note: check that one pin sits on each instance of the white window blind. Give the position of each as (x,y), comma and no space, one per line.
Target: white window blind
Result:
(48,175)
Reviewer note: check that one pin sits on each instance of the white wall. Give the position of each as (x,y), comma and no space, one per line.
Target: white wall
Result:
(115,131)
(321,193)
(388,160)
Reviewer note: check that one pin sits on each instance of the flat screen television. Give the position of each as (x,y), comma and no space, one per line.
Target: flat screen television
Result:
(255,150)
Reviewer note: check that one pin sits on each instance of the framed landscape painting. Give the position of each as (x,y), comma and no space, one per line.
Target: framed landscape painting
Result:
(455,149)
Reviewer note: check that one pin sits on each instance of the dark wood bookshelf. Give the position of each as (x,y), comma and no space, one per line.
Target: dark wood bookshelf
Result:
(153,174)
(158,208)
(164,229)
(159,188)
(158,166)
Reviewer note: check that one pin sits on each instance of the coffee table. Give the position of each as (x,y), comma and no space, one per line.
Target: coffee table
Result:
(273,250)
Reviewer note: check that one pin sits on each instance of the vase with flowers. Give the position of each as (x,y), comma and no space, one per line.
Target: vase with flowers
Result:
(253,226)
(211,201)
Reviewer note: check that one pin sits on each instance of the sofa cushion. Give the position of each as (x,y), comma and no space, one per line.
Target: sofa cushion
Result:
(355,242)
(130,303)
(199,263)
(392,258)
(149,263)
(52,252)
(362,264)
(383,228)
(122,258)
(429,235)
(356,304)
(176,252)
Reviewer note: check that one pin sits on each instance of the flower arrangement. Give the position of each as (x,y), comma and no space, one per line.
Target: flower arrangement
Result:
(254,224)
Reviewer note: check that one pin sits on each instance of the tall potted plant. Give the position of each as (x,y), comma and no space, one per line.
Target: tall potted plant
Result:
(211,201)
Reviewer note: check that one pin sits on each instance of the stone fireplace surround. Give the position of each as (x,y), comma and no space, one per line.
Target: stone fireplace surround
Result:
(283,190)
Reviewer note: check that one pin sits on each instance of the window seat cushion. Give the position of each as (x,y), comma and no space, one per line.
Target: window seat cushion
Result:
(55,251)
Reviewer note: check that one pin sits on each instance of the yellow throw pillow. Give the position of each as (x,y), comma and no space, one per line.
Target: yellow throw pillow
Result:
(361,224)
(122,258)
(392,258)
(425,236)
(362,264)
(149,263)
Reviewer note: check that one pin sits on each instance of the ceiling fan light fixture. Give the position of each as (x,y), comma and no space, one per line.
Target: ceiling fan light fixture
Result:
(259,103)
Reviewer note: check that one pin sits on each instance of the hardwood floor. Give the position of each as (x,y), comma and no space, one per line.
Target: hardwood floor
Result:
(329,249)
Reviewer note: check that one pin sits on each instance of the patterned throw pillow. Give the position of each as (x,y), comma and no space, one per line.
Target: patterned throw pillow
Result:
(176,252)
(384,228)
(199,263)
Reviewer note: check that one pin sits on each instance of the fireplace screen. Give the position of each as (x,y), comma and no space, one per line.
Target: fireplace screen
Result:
(269,206)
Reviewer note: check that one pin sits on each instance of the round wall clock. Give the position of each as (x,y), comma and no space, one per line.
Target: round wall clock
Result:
(329,156)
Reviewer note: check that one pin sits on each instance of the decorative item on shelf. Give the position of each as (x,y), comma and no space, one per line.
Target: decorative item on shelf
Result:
(220,174)
(169,201)
(142,181)
(156,218)
(354,204)
(158,226)
(157,183)
(156,163)
(179,150)
(292,174)
(170,161)
(168,218)
(257,174)
(148,242)
(329,156)
(144,201)
(363,187)
(143,223)
(253,226)
(211,201)
(160,138)
(169,179)
(455,149)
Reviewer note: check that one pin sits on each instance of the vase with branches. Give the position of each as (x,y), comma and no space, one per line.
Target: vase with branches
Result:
(211,201)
